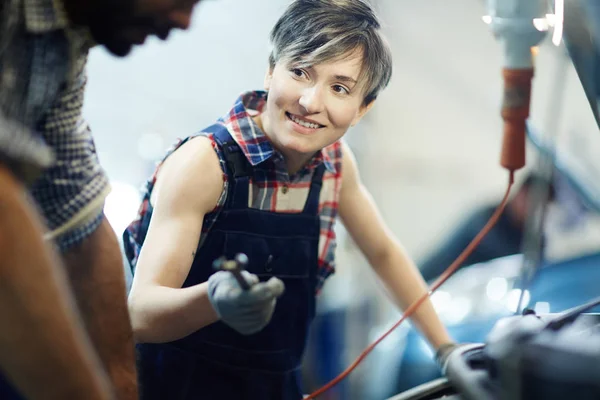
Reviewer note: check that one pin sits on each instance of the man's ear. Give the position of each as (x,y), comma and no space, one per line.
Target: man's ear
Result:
(362,111)
(268,77)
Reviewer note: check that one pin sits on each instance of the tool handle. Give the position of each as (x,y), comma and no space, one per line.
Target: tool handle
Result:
(234,266)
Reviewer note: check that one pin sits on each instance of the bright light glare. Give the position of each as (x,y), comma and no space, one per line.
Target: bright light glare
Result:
(121,205)
(559,16)
(496,288)
(487,19)
(458,310)
(441,300)
(541,24)
(542,307)
(512,300)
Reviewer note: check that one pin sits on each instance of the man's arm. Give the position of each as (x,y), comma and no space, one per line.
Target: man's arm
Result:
(188,186)
(71,194)
(95,270)
(385,254)
(43,348)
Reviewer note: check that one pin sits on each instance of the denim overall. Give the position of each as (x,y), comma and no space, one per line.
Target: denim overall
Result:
(7,391)
(216,362)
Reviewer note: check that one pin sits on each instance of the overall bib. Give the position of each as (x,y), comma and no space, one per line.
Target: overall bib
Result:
(216,362)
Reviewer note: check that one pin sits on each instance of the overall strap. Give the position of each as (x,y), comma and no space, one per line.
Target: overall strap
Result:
(312,203)
(238,168)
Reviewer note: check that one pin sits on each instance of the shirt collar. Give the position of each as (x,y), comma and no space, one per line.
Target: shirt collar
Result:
(323,157)
(252,140)
(42,16)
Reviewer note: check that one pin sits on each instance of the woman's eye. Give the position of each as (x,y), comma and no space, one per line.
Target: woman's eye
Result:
(340,89)
(298,72)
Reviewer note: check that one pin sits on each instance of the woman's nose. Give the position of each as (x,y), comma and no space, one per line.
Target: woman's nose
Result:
(311,100)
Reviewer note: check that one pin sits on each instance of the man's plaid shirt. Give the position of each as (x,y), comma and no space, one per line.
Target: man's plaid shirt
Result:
(271,188)
(42,81)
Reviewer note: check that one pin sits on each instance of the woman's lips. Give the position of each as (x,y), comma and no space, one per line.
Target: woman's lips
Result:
(300,124)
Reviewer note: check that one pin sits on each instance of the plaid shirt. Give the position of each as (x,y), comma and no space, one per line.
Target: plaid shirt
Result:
(42,76)
(271,187)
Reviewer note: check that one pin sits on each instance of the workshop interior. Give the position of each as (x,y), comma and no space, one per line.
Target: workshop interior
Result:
(483,94)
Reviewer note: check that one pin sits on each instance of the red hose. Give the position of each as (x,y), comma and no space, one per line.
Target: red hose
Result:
(413,307)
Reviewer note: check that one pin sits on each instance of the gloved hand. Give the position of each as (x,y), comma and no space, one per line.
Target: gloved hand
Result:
(246,311)
(443,353)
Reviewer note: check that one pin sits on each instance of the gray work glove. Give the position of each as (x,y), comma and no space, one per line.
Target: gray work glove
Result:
(443,353)
(246,311)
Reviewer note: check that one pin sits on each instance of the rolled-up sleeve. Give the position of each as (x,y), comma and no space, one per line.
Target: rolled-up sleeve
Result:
(72,191)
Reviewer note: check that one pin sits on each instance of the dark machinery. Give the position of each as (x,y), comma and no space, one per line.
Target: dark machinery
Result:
(529,357)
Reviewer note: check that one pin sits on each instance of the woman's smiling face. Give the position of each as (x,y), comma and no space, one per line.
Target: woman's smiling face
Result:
(309,108)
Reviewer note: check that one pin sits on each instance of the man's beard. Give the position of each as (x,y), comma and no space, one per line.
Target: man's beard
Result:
(114,37)
(105,20)
(109,37)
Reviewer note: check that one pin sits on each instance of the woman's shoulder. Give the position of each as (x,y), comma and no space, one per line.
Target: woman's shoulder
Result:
(200,150)
(191,152)
(193,166)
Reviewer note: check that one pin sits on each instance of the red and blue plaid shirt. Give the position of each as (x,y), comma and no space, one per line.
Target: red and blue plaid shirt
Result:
(271,188)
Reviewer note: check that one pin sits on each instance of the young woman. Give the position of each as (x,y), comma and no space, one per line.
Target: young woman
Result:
(269,180)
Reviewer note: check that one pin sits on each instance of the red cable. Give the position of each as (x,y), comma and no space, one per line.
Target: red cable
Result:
(413,307)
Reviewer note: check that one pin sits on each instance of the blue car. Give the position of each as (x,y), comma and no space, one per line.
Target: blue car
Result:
(474,299)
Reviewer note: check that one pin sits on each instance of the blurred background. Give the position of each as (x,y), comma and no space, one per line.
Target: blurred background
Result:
(428,151)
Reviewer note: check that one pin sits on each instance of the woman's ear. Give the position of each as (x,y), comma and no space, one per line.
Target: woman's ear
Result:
(268,77)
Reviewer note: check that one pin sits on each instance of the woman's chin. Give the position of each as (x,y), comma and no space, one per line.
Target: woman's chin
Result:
(301,149)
